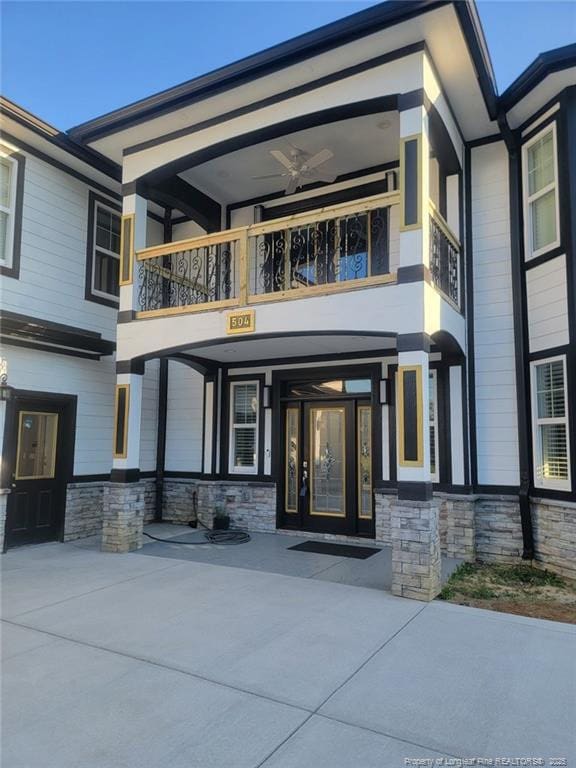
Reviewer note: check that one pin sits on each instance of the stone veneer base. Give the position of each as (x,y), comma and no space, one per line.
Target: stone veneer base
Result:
(123,517)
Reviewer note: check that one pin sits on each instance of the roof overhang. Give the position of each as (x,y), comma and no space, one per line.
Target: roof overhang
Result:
(548,74)
(407,18)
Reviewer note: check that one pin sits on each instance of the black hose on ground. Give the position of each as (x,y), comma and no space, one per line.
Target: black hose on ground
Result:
(232,536)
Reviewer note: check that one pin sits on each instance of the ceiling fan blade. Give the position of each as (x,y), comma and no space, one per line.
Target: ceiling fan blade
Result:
(293,184)
(325,176)
(270,176)
(281,157)
(320,157)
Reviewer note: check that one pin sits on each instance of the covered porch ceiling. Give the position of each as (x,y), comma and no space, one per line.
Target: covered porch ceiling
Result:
(267,348)
(359,145)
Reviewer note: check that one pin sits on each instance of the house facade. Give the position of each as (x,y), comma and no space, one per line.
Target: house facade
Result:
(331,287)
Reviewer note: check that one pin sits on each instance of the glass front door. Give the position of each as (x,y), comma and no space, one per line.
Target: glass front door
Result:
(327,468)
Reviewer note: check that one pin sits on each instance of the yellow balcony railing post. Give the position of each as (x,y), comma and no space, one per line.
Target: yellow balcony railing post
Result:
(243,265)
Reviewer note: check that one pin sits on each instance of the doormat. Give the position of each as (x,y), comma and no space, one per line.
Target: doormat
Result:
(338,550)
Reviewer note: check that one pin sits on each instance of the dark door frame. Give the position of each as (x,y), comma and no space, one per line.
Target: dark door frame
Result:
(372,371)
(68,406)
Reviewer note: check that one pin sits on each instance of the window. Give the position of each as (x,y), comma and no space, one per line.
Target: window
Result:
(11,193)
(103,264)
(244,402)
(542,226)
(433,409)
(550,424)
(7,201)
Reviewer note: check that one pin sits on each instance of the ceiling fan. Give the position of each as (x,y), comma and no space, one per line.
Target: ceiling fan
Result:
(300,166)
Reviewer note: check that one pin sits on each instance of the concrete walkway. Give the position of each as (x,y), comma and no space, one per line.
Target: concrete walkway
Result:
(124,661)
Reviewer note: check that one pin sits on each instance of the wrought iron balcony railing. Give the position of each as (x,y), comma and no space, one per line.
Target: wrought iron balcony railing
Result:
(326,250)
(444,257)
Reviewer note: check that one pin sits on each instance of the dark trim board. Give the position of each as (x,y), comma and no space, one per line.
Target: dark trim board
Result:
(37,333)
(274,131)
(25,147)
(13,270)
(353,175)
(93,199)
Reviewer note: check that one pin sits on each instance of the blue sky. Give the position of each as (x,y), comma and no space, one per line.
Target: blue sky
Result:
(70,61)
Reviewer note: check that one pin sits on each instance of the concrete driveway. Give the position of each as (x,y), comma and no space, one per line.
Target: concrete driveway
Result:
(124,661)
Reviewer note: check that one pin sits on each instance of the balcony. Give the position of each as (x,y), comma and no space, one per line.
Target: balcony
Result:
(339,248)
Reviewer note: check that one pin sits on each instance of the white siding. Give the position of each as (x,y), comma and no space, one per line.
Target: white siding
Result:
(546,288)
(149,419)
(91,380)
(53,253)
(496,412)
(184,419)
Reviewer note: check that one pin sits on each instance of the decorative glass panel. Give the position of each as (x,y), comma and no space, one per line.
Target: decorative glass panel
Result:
(550,390)
(328,462)
(364,461)
(292,437)
(335,387)
(36,452)
(541,164)
(543,216)
(554,453)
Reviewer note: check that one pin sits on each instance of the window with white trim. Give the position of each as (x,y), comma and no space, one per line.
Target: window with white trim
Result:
(540,182)
(244,407)
(550,424)
(8,180)
(106,251)
(433,419)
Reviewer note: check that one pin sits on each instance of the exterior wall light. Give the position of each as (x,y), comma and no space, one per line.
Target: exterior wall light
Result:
(267,397)
(5,390)
(384,391)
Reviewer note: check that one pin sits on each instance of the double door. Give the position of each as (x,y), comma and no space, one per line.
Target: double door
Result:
(328,466)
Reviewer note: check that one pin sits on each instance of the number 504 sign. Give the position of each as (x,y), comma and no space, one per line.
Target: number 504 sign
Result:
(241,322)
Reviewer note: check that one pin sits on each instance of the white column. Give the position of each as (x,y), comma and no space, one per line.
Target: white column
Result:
(137,206)
(131,459)
(456,425)
(413,467)
(414,179)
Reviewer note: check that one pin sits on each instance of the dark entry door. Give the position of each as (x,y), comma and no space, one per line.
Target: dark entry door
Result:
(35,510)
(328,466)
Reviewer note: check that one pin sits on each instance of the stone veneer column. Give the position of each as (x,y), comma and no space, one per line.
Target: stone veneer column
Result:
(416,564)
(123,517)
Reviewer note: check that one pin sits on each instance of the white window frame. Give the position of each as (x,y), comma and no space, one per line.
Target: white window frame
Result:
(529,199)
(95,247)
(433,396)
(10,210)
(542,482)
(232,469)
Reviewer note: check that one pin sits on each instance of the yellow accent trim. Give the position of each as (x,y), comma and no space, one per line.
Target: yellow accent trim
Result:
(418,224)
(323,290)
(124,453)
(243,268)
(443,224)
(130,254)
(212,306)
(289,411)
(191,244)
(361,409)
(312,511)
(242,313)
(51,474)
(419,462)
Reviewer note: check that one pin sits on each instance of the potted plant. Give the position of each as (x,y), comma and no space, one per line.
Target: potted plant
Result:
(221,520)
